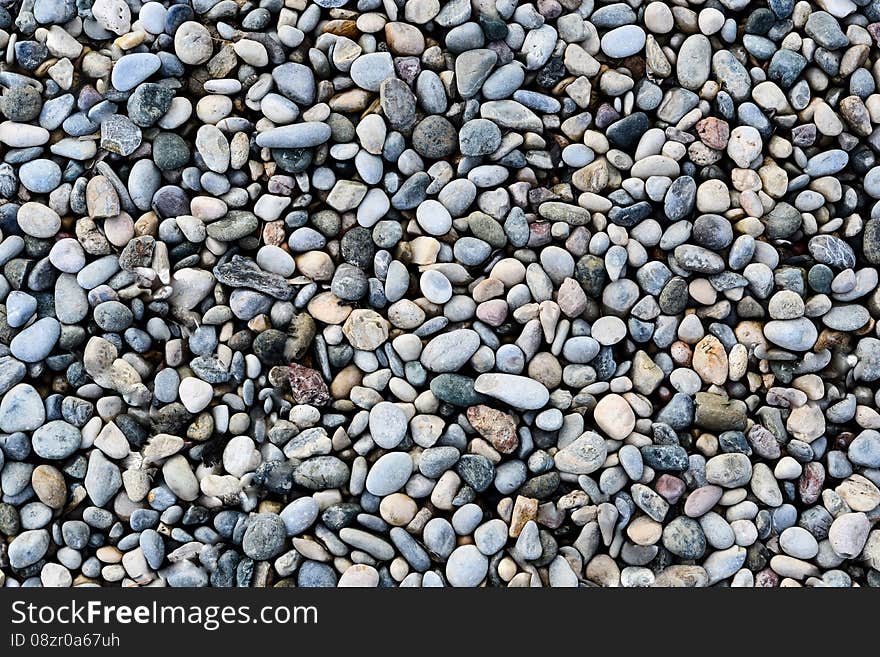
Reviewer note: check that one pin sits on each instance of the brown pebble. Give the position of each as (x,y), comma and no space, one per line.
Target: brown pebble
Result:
(496,426)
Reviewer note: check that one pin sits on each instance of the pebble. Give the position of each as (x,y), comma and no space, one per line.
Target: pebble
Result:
(439,294)
(193,43)
(36,341)
(388,425)
(389,474)
(21,409)
(614,416)
(584,455)
(28,548)
(466,566)
(133,69)
(56,440)
(848,534)
(516,391)
(623,41)
(195,394)
(729,470)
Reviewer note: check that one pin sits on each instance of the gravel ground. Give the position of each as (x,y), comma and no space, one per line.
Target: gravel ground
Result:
(439,293)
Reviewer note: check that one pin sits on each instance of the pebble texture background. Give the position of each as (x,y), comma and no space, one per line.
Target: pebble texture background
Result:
(439,293)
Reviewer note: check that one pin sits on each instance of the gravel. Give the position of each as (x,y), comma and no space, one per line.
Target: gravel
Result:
(330,293)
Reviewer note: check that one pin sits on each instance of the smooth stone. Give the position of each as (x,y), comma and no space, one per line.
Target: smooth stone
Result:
(134,68)
(729,470)
(264,537)
(299,515)
(614,416)
(389,473)
(448,352)
(794,334)
(623,41)
(28,548)
(21,409)
(466,567)
(516,391)
(299,135)
(56,440)
(37,341)
(388,424)
(584,455)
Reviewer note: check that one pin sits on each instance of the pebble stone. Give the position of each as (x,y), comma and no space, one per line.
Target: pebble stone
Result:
(439,293)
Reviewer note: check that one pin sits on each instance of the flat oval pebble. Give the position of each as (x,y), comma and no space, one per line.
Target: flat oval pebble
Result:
(56,440)
(389,473)
(516,391)
(387,425)
(38,220)
(623,41)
